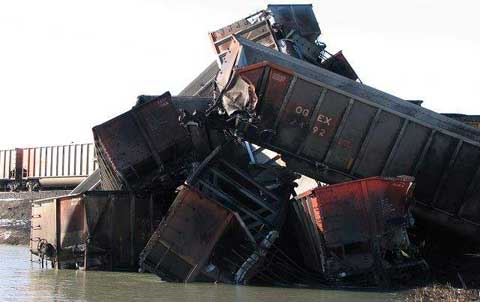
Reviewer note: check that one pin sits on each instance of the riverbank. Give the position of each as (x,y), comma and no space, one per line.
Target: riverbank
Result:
(444,293)
(16,212)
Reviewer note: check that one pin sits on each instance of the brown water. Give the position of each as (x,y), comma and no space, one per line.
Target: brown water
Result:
(22,280)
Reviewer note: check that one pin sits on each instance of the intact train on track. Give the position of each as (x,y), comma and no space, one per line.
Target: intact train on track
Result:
(46,168)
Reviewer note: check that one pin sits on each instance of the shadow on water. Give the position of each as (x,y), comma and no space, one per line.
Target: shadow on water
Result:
(22,280)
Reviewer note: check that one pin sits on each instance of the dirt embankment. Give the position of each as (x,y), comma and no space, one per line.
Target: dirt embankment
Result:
(445,293)
(454,266)
(15,215)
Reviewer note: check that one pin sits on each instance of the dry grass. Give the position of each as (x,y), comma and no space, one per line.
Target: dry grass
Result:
(443,293)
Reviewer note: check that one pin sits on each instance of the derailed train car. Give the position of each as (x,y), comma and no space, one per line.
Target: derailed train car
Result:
(142,147)
(357,230)
(289,28)
(228,216)
(95,230)
(191,244)
(222,223)
(334,129)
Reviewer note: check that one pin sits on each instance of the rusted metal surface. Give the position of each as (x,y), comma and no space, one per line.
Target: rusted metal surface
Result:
(183,242)
(255,28)
(288,26)
(308,237)
(237,26)
(334,129)
(191,115)
(218,166)
(350,228)
(342,211)
(141,146)
(339,64)
(94,230)
(258,195)
(309,51)
(44,226)
(201,240)
(298,17)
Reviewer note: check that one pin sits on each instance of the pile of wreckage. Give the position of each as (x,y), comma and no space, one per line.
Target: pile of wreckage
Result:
(210,185)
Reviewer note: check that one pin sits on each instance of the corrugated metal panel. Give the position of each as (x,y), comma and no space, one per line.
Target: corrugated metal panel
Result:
(334,129)
(62,160)
(203,84)
(7,163)
(258,31)
(52,166)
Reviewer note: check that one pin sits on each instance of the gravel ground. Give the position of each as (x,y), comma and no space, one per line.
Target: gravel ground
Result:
(446,293)
(31,195)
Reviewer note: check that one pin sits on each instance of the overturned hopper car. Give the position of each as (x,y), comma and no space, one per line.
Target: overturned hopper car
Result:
(143,147)
(222,222)
(334,129)
(194,239)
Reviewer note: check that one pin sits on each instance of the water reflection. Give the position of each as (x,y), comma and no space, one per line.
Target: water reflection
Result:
(21,280)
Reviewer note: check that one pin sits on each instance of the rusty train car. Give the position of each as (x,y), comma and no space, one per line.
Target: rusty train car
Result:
(95,230)
(357,228)
(48,167)
(334,129)
(152,136)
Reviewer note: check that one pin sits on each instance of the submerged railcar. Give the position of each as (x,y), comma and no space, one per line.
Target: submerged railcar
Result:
(94,230)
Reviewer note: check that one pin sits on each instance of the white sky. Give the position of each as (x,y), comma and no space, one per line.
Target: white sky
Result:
(66,66)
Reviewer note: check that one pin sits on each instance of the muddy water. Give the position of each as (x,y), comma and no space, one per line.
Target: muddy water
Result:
(22,280)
